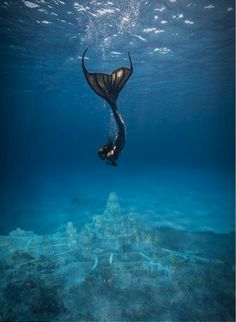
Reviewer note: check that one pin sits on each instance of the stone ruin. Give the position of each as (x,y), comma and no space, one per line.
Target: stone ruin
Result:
(113,249)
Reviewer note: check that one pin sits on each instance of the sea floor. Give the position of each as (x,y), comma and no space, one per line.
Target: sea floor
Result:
(168,256)
(117,268)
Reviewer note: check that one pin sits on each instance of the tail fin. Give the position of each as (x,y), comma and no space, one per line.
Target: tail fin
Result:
(105,85)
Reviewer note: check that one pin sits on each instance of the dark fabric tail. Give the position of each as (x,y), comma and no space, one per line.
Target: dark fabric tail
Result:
(108,86)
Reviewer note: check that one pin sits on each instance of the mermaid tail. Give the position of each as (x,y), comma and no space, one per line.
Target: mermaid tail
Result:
(108,86)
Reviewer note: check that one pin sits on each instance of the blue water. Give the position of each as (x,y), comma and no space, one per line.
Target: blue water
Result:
(178,162)
(177,167)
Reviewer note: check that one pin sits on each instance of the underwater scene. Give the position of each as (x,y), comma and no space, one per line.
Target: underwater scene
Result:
(117,160)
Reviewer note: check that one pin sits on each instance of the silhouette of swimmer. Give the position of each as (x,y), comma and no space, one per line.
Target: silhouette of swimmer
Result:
(108,87)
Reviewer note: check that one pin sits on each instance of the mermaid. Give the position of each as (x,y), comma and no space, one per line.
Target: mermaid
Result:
(108,86)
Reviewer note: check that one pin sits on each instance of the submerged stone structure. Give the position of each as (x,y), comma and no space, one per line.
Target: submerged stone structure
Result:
(113,264)
(113,249)
(112,231)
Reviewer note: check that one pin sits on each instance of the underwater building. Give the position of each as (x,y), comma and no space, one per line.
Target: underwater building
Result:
(113,248)
(45,276)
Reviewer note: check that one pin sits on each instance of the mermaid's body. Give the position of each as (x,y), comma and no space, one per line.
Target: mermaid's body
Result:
(108,87)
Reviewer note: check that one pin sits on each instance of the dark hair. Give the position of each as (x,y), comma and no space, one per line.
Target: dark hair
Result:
(102,152)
